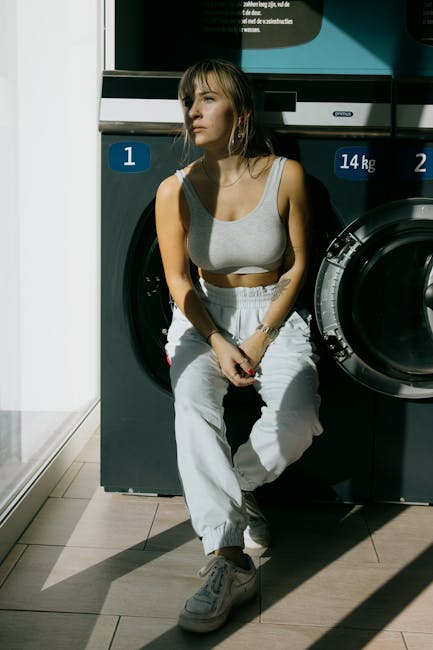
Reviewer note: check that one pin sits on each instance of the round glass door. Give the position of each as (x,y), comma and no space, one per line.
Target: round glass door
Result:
(147,299)
(374,299)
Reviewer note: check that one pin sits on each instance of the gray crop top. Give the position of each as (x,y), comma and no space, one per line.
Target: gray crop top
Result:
(254,243)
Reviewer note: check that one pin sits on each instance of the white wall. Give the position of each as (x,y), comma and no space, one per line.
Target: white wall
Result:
(50,60)
(9,226)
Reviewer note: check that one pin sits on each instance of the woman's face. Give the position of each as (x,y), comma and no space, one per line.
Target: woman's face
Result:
(209,116)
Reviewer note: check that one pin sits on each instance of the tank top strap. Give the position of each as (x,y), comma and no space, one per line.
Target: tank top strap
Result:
(276,173)
(186,185)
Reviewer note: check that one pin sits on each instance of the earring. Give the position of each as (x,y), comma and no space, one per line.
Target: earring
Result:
(239,134)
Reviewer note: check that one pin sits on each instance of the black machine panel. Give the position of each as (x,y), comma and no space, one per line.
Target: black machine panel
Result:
(137,443)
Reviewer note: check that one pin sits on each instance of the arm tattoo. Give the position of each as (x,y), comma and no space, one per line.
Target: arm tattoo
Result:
(282,285)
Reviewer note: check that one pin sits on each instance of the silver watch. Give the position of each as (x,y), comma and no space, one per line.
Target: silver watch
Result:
(271,332)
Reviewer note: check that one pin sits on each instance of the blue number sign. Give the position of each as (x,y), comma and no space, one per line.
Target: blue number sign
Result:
(129,157)
(355,163)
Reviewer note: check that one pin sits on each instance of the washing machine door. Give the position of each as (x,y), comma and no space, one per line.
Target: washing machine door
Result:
(149,306)
(374,299)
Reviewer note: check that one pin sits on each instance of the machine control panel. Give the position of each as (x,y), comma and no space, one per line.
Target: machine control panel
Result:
(147,102)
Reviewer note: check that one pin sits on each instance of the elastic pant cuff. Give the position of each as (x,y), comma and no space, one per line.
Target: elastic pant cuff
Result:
(224,535)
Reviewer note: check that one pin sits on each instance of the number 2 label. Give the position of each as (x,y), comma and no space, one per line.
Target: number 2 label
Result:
(420,169)
(415,162)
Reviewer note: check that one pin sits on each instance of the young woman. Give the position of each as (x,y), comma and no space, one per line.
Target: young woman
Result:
(240,215)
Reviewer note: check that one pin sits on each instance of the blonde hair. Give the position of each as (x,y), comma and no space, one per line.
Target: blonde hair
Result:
(234,84)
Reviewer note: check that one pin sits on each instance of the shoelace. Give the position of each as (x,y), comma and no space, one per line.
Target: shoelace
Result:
(217,570)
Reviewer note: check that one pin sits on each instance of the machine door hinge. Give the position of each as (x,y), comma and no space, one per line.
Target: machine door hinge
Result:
(337,344)
(342,248)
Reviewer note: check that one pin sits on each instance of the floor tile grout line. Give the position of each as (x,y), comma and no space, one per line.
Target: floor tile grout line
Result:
(87,462)
(72,479)
(370,534)
(96,500)
(116,549)
(352,628)
(68,499)
(60,611)
(14,564)
(150,527)
(81,613)
(116,627)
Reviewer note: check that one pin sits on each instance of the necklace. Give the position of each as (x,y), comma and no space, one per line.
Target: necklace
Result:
(219,184)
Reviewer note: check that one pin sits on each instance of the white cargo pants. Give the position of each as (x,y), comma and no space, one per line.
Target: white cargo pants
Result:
(287,382)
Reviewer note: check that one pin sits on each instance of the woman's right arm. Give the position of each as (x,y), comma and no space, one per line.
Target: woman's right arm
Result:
(172,233)
(171,214)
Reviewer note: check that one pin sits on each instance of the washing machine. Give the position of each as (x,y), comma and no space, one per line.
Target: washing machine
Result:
(373,200)
(338,92)
(137,444)
(368,162)
(374,296)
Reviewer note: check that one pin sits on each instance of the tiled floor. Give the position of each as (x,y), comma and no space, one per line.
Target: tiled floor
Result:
(108,571)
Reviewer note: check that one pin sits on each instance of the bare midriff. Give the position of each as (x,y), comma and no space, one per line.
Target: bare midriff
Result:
(231,280)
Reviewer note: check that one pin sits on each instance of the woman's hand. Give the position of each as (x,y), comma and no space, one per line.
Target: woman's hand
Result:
(255,347)
(233,361)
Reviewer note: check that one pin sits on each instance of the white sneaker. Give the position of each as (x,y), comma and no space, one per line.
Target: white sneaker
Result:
(227,585)
(256,534)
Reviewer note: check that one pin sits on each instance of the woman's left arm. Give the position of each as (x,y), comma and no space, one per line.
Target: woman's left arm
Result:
(293,202)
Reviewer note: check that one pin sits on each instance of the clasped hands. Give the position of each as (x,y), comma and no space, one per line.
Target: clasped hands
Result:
(238,363)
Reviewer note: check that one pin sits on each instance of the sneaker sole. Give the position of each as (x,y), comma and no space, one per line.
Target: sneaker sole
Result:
(211,624)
